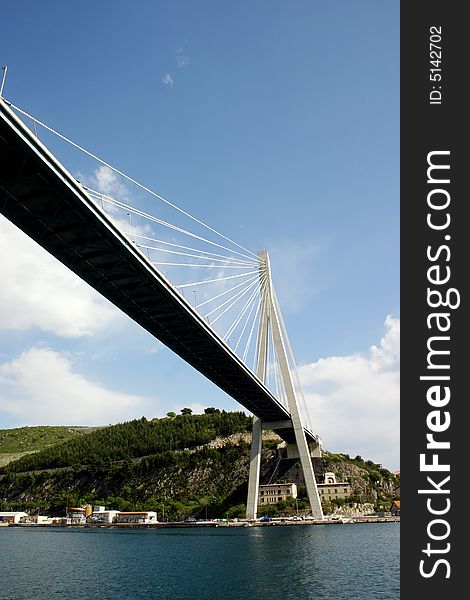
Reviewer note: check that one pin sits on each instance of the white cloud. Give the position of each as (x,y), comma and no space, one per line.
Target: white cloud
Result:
(387,355)
(167,80)
(107,181)
(40,386)
(181,60)
(354,400)
(38,291)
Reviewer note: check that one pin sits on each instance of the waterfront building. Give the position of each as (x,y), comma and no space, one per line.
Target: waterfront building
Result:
(100,515)
(12,516)
(331,489)
(75,515)
(395,508)
(136,517)
(35,518)
(276,492)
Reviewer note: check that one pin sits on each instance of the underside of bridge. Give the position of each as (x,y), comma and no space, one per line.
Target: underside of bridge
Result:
(42,199)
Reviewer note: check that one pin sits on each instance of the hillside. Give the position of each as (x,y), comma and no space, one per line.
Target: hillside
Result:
(134,439)
(182,465)
(15,443)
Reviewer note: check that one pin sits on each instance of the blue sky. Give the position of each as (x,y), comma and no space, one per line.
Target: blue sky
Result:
(278,124)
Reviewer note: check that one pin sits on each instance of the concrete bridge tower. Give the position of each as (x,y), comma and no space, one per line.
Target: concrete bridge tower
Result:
(270,318)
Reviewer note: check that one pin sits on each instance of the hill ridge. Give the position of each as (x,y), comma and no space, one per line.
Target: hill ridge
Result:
(192,463)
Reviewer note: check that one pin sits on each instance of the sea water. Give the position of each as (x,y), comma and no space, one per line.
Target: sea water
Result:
(358,561)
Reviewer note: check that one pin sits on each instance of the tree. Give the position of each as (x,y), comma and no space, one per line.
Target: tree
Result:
(186,411)
(210,410)
(205,501)
(171,415)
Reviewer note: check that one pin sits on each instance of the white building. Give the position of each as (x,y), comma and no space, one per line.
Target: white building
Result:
(102,515)
(276,492)
(76,515)
(332,489)
(136,517)
(38,519)
(12,517)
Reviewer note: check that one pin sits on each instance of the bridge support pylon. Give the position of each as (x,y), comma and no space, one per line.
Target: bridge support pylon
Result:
(270,318)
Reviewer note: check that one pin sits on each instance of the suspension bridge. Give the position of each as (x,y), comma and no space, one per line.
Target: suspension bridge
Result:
(203,295)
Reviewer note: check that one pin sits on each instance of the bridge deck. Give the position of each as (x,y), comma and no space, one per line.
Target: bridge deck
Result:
(41,198)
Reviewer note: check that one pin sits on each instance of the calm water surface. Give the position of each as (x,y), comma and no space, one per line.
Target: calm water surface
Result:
(321,562)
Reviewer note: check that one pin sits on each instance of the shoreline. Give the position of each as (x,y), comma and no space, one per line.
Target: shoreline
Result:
(202,524)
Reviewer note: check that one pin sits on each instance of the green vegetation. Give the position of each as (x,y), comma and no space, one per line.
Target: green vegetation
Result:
(135,439)
(180,483)
(15,443)
(375,471)
(370,481)
(168,465)
(27,439)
